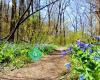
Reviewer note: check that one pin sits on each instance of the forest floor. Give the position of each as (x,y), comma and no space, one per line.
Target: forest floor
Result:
(50,67)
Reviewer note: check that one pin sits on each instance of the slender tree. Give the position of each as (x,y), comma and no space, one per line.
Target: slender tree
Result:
(91,20)
(0,17)
(22,7)
(98,14)
(13,20)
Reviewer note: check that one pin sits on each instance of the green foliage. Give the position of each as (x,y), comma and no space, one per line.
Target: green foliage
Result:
(84,63)
(15,54)
(73,36)
(18,54)
(47,48)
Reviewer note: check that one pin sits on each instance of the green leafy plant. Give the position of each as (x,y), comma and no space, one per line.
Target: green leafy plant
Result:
(15,54)
(85,63)
(18,54)
(47,48)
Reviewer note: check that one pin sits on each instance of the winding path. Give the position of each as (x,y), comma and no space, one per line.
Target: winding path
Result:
(48,68)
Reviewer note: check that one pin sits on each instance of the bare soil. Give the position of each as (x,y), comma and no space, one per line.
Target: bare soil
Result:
(50,67)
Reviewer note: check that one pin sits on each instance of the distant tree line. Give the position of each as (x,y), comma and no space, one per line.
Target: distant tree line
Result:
(47,20)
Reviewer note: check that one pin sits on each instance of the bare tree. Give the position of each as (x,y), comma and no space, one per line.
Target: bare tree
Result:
(22,7)
(91,20)
(13,18)
(21,20)
(0,17)
(98,14)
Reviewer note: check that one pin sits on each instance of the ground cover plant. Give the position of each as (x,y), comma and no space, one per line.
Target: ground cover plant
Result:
(17,55)
(85,61)
(40,50)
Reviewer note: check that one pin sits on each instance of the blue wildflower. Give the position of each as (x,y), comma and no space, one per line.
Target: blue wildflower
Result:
(97,37)
(80,44)
(91,51)
(68,65)
(87,45)
(83,49)
(69,49)
(81,77)
(63,53)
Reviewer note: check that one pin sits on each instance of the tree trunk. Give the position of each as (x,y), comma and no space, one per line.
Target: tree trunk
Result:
(91,20)
(0,18)
(98,16)
(13,19)
(22,8)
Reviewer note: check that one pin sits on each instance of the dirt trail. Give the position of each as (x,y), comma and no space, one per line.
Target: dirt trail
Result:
(48,68)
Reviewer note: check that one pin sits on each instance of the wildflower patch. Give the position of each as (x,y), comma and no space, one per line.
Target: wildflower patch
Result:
(85,61)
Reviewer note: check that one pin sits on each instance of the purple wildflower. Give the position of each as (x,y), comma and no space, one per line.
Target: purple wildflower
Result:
(97,37)
(80,44)
(69,49)
(87,45)
(68,65)
(91,51)
(83,49)
(63,53)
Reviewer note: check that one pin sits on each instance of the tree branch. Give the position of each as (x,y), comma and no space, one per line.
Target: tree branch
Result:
(8,35)
(21,21)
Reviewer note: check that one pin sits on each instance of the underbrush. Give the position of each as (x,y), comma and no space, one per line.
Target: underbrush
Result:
(17,55)
(14,54)
(46,49)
